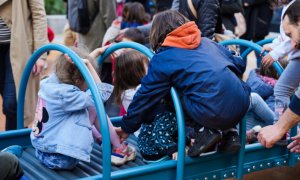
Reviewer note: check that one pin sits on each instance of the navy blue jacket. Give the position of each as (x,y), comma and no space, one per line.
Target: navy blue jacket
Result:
(206,79)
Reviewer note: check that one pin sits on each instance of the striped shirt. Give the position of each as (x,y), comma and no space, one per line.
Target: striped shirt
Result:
(4,32)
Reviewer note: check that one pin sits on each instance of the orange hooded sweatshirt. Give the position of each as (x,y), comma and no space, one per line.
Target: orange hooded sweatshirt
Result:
(187,36)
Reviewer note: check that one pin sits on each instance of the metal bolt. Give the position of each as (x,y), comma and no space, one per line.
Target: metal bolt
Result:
(232,173)
(278,163)
(206,178)
(249,169)
(284,162)
(225,175)
(269,164)
(214,176)
(253,167)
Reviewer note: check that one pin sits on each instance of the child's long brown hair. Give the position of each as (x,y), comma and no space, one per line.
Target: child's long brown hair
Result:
(67,72)
(271,72)
(130,68)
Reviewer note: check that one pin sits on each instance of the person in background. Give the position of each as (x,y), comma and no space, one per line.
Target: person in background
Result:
(229,8)
(207,15)
(104,12)
(23,29)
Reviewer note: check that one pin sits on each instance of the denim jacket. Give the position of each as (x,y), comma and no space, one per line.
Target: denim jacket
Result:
(64,126)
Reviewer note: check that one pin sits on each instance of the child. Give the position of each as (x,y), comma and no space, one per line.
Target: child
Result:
(65,111)
(131,66)
(134,15)
(205,76)
(262,82)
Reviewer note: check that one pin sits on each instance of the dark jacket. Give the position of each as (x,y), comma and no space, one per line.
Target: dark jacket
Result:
(204,74)
(258,17)
(229,7)
(208,17)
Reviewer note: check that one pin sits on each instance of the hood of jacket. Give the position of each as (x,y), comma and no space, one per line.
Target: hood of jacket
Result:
(187,36)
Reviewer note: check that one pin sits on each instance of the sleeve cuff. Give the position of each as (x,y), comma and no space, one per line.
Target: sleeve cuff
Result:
(274,55)
(125,128)
(106,90)
(295,105)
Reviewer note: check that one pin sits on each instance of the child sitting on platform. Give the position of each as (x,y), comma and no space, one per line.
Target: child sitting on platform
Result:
(157,139)
(65,115)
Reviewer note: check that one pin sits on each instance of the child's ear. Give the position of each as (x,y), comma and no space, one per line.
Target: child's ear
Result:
(78,82)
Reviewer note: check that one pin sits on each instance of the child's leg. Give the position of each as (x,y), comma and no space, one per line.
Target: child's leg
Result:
(261,109)
(164,132)
(285,86)
(56,161)
(114,138)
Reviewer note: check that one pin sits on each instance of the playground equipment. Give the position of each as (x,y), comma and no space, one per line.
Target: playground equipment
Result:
(212,165)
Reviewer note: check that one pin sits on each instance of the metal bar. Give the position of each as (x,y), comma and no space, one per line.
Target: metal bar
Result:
(255,47)
(147,52)
(181,134)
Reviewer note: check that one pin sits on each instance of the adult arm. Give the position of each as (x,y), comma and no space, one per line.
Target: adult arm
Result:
(269,135)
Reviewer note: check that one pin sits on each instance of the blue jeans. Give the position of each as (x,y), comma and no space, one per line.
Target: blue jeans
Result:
(7,88)
(259,107)
(55,160)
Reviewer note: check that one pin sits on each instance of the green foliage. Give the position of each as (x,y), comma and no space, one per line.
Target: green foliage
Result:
(55,7)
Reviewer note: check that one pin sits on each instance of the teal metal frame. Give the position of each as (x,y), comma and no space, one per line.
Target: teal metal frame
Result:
(250,158)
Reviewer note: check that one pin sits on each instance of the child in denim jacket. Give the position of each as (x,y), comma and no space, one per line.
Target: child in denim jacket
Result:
(66,119)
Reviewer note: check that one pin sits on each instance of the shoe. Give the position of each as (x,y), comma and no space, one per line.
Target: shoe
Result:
(230,142)
(204,140)
(251,135)
(14,149)
(120,156)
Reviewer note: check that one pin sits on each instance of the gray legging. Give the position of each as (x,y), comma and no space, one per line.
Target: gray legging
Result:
(286,86)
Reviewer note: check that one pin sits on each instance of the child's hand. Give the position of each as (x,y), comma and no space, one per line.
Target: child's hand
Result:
(175,156)
(85,61)
(97,52)
(295,145)
(123,135)
(267,61)
(265,48)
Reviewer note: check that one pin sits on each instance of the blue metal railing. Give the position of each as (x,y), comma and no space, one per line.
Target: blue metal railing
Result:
(261,43)
(92,86)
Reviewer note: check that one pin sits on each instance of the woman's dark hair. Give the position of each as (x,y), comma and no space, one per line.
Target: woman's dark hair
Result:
(271,72)
(135,12)
(293,12)
(130,68)
(67,72)
(164,23)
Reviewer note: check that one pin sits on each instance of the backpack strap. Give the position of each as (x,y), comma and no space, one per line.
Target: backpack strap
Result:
(192,8)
